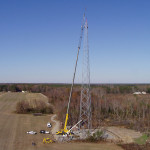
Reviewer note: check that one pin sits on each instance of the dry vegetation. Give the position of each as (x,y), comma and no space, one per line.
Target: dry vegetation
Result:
(40,107)
(132,111)
(33,104)
(111,104)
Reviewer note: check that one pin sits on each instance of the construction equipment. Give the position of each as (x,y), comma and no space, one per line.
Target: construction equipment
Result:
(73,127)
(47,140)
(65,130)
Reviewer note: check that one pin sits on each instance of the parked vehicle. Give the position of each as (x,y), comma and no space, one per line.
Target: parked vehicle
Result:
(44,132)
(49,125)
(47,132)
(31,132)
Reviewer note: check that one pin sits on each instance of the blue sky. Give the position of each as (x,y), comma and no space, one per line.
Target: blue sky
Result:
(39,39)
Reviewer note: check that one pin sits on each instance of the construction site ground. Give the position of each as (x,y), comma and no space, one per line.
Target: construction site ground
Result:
(13,127)
(121,134)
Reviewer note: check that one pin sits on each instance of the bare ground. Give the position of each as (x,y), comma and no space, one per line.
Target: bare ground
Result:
(123,134)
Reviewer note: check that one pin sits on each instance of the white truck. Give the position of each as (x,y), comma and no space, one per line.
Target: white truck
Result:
(49,125)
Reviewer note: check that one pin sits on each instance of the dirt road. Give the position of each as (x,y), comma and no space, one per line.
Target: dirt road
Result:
(56,126)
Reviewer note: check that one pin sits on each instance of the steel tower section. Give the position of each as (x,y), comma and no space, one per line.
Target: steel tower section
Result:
(85,100)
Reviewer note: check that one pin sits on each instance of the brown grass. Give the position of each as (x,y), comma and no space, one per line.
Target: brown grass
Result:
(13,127)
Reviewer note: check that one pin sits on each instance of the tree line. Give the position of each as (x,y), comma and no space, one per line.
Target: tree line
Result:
(111,104)
(107,88)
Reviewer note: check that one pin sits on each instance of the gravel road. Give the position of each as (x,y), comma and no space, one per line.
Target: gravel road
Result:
(56,126)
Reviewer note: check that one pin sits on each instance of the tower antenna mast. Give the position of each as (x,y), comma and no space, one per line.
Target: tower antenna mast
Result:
(85,100)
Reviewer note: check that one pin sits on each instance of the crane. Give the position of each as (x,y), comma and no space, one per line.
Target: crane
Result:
(65,130)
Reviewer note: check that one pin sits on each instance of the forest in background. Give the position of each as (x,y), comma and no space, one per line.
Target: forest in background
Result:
(112,104)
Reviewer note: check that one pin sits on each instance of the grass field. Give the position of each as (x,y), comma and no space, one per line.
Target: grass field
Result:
(13,127)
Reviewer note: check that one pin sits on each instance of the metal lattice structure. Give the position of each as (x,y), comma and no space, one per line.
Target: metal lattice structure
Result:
(85,101)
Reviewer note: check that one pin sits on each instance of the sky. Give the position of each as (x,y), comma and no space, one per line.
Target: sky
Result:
(39,40)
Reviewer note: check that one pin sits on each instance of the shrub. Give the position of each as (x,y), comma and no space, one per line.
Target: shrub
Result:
(24,107)
(97,136)
(148,90)
(49,110)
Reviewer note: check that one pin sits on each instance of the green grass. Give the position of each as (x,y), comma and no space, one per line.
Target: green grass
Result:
(141,140)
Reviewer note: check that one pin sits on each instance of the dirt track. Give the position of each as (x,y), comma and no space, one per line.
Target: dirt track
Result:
(13,128)
(56,126)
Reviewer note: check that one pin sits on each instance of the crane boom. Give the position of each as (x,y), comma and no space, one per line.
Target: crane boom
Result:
(65,130)
(79,45)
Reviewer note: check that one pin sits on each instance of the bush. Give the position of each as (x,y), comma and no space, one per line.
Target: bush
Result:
(49,110)
(97,136)
(24,107)
(148,90)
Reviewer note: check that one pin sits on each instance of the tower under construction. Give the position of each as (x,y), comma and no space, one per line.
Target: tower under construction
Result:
(85,100)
